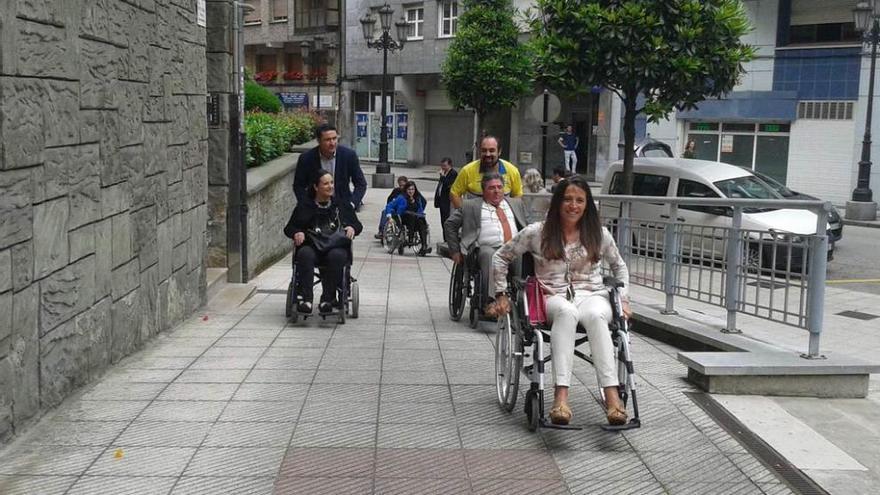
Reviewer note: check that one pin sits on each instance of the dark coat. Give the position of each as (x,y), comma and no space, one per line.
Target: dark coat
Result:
(441,195)
(348,172)
(307,214)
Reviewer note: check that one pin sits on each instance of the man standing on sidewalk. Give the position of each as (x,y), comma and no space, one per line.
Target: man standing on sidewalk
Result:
(444,184)
(340,161)
(569,142)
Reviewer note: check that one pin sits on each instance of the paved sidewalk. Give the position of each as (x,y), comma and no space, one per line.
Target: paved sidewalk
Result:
(401,400)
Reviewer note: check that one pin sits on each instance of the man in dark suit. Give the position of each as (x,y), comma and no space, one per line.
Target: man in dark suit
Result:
(485,223)
(340,161)
(441,195)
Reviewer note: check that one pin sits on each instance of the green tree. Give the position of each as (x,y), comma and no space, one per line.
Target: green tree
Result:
(486,67)
(672,53)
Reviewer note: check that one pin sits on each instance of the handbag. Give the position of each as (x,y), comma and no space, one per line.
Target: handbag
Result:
(535,298)
(325,242)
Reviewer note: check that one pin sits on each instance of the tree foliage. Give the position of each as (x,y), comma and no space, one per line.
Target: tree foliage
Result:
(256,97)
(486,67)
(673,53)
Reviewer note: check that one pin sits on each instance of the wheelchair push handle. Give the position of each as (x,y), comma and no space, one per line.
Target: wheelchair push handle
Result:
(610,281)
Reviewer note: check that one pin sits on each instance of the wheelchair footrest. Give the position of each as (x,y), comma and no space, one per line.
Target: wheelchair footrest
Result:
(550,425)
(630,425)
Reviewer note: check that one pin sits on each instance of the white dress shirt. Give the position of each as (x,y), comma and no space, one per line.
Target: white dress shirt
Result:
(491,232)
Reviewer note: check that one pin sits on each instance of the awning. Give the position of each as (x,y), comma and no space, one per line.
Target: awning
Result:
(747,106)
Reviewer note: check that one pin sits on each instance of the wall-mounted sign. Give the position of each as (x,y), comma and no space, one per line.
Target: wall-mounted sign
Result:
(294,100)
(362,121)
(201,16)
(213,102)
(525,157)
(402,125)
(326,101)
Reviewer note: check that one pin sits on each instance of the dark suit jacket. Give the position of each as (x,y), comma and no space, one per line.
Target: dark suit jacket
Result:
(306,214)
(348,171)
(463,226)
(441,195)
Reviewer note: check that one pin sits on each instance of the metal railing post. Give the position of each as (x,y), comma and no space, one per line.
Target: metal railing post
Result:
(623,235)
(670,251)
(816,282)
(734,262)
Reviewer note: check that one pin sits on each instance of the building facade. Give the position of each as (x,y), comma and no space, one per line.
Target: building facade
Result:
(799,112)
(425,126)
(274,34)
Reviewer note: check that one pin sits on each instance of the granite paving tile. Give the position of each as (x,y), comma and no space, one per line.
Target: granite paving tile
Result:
(499,437)
(132,391)
(502,487)
(424,463)
(416,412)
(349,376)
(354,435)
(327,462)
(200,485)
(182,411)
(164,434)
(323,486)
(72,433)
(121,460)
(198,391)
(79,410)
(280,376)
(402,486)
(284,392)
(316,411)
(249,435)
(212,376)
(261,411)
(236,461)
(510,464)
(29,485)
(584,486)
(122,485)
(418,436)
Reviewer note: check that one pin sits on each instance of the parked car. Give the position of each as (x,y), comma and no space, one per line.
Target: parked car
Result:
(834,221)
(676,177)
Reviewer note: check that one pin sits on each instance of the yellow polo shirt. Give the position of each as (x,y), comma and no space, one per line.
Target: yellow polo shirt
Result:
(469,177)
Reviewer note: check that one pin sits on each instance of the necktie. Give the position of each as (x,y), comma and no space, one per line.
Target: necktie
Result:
(505,226)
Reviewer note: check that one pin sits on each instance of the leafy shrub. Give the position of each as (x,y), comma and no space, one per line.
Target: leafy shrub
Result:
(259,98)
(271,135)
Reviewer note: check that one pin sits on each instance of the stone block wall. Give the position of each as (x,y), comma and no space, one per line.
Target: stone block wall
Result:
(103,188)
(270,201)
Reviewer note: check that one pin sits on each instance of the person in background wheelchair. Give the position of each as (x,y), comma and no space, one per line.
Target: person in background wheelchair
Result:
(568,248)
(402,181)
(322,229)
(485,223)
(410,208)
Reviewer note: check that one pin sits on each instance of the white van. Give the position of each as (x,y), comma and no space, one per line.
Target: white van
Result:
(682,177)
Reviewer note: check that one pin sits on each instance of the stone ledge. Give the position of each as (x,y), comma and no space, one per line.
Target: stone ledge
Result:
(778,373)
(258,178)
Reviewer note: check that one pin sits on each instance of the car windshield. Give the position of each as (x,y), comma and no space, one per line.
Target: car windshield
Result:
(776,185)
(747,187)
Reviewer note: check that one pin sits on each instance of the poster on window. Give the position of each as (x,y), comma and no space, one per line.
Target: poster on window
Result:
(727,143)
(362,120)
(401,125)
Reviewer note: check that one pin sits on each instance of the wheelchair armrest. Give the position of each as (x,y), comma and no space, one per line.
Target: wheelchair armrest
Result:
(610,281)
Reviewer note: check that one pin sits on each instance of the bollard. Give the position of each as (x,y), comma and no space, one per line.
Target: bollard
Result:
(816,282)
(734,262)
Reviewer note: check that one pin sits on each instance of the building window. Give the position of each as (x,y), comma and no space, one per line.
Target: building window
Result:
(415,17)
(448,18)
(821,22)
(279,10)
(310,13)
(825,110)
(252,16)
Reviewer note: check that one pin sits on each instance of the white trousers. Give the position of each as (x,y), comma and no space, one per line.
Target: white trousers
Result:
(592,311)
(571,160)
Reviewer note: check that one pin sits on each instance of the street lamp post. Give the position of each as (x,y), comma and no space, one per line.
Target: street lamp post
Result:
(312,53)
(862,206)
(385,43)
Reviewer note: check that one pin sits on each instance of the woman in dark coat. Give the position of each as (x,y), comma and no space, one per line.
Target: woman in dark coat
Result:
(314,219)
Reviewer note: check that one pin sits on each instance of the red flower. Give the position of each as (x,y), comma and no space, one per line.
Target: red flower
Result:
(293,76)
(266,76)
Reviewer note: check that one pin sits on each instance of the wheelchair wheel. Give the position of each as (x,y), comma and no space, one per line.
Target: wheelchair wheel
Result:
(476,300)
(355,299)
(457,291)
(533,410)
(508,361)
(289,309)
(391,236)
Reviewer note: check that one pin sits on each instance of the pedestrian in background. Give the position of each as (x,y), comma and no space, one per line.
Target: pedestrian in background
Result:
(690,149)
(444,185)
(569,142)
(532,181)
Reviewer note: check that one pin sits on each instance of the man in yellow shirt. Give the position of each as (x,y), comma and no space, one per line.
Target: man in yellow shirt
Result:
(470,175)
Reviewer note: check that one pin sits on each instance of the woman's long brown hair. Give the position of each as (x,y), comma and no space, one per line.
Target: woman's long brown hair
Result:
(552,238)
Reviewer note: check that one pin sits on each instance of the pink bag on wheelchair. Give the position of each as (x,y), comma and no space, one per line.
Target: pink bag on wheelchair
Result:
(535,297)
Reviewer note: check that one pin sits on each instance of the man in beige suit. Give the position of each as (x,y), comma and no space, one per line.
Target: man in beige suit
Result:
(484,223)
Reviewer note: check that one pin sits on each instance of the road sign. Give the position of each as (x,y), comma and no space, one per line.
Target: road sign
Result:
(553,108)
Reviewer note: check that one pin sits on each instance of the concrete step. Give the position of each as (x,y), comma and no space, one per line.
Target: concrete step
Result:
(779,373)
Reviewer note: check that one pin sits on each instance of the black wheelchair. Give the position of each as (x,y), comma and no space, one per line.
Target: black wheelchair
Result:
(348,293)
(397,237)
(516,334)
(464,285)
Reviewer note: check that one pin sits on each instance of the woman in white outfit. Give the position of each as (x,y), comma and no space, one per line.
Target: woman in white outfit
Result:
(568,249)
